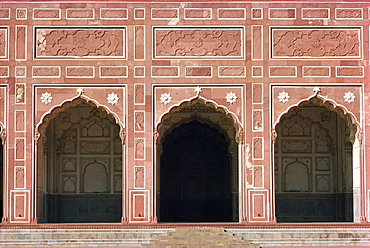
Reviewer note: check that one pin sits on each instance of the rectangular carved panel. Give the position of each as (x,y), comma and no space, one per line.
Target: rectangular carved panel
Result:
(231,13)
(283,71)
(46,13)
(257,148)
(282,13)
(20,120)
(140,94)
(315,13)
(257,119)
(20,148)
(45,71)
(198,13)
(21,42)
(258,176)
(165,13)
(231,71)
(139,206)
(139,120)
(198,71)
(20,177)
(19,209)
(140,42)
(79,71)
(316,71)
(258,206)
(257,42)
(316,43)
(140,149)
(113,71)
(199,43)
(4,71)
(113,13)
(68,43)
(350,71)
(20,90)
(4,13)
(352,13)
(165,71)
(257,92)
(80,13)
(139,176)
(3,43)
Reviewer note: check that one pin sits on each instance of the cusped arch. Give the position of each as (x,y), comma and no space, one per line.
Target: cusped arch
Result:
(197,109)
(331,105)
(42,125)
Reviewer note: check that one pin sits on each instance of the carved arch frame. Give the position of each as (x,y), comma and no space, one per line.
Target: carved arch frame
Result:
(234,136)
(356,138)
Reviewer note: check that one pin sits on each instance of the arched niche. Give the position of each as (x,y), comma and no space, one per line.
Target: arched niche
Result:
(79,165)
(317,139)
(197,122)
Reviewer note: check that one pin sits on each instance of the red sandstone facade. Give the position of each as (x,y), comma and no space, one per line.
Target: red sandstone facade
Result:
(149,68)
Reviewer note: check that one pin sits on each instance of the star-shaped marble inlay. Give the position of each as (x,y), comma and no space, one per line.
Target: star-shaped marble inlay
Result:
(46,98)
(198,90)
(112,98)
(80,91)
(166,98)
(317,90)
(349,97)
(231,97)
(283,97)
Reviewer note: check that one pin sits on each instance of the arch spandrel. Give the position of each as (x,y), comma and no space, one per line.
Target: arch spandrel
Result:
(94,96)
(330,97)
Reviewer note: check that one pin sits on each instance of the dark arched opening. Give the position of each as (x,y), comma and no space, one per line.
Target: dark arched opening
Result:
(313,164)
(195,175)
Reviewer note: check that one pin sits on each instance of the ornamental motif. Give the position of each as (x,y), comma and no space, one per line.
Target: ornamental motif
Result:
(349,97)
(46,97)
(231,97)
(112,98)
(283,97)
(80,91)
(317,90)
(166,98)
(198,90)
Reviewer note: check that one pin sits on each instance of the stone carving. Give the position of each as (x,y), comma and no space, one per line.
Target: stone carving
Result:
(349,97)
(231,97)
(139,121)
(119,13)
(21,42)
(140,42)
(139,177)
(46,13)
(80,13)
(3,43)
(348,13)
(194,13)
(257,148)
(257,93)
(19,120)
(165,71)
(198,43)
(21,14)
(231,71)
(168,13)
(257,71)
(4,71)
(4,13)
(113,71)
(69,165)
(45,71)
(139,148)
(79,71)
(166,98)
(258,176)
(257,41)
(315,13)
(231,13)
(46,98)
(20,71)
(323,183)
(257,13)
(81,43)
(283,97)
(19,148)
(19,175)
(283,71)
(139,93)
(316,43)
(350,71)
(69,184)
(95,147)
(198,71)
(281,13)
(316,71)
(139,71)
(323,164)
(139,13)
(257,120)
(112,98)
(292,146)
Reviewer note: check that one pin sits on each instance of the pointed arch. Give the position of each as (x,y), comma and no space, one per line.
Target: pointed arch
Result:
(40,127)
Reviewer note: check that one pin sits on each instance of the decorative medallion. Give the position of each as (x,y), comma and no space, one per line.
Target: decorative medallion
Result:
(283,97)
(198,90)
(349,97)
(80,91)
(166,98)
(46,97)
(112,98)
(317,90)
(231,97)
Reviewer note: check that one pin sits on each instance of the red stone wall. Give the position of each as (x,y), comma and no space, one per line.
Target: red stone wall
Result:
(138,60)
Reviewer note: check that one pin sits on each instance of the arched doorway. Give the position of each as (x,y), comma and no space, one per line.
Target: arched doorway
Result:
(197,165)
(313,164)
(81,176)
